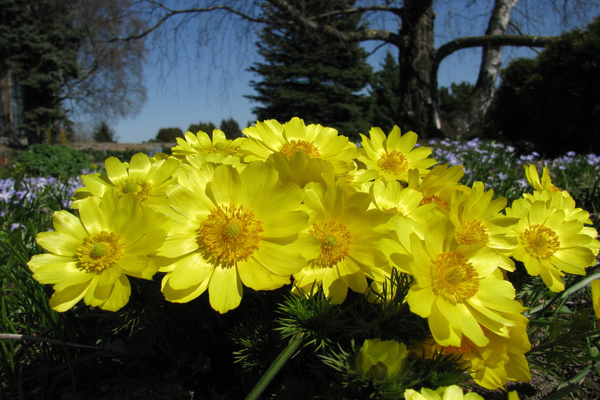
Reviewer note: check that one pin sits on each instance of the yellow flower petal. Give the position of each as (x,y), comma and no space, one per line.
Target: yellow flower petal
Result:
(225,289)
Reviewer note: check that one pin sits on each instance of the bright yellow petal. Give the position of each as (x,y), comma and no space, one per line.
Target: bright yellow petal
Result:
(64,299)
(119,295)
(225,289)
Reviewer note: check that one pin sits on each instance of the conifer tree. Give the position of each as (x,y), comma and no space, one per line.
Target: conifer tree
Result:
(385,93)
(38,43)
(309,75)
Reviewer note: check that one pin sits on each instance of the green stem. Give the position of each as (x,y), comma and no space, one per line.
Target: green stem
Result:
(275,367)
(577,286)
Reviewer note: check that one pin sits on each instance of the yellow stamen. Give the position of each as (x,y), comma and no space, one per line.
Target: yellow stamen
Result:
(473,231)
(229,234)
(436,200)
(294,146)
(140,188)
(100,251)
(335,243)
(393,162)
(454,278)
(540,241)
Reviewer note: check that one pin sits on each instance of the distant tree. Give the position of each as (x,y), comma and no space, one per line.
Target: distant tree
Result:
(231,128)
(455,96)
(385,94)
(38,57)
(454,100)
(110,81)
(59,58)
(206,127)
(104,133)
(311,76)
(552,101)
(168,135)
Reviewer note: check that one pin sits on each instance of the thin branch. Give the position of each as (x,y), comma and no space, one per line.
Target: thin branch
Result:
(172,13)
(356,36)
(494,40)
(359,10)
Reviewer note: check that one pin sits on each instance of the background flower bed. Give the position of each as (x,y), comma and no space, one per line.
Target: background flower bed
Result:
(173,346)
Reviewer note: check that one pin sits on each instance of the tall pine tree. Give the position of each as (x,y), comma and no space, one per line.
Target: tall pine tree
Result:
(385,93)
(312,76)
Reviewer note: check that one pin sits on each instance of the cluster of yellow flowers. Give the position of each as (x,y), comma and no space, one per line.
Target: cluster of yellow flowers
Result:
(301,205)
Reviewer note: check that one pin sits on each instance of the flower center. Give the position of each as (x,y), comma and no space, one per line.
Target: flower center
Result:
(100,251)
(435,199)
(473,231)
(335,243)
(540,241)
(466,346)
(393,211)
(453,277)
(229,234)
(294,146)
(393,162)
(139,188)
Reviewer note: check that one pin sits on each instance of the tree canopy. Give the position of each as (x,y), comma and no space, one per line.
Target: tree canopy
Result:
(410,26)
(59,59)
(38,56)
(311,76)
(552,101)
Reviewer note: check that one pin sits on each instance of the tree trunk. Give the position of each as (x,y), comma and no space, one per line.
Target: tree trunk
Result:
(416,60)
(460,122)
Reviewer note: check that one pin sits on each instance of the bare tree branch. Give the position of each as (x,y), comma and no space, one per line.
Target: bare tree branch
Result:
(170,13)
(481,41)
(356,36)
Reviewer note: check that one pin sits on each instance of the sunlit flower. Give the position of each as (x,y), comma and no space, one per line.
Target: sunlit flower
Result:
(491,366)
(380,359)
(477,220)
(534,179)
(549,245)
(443,393)
(347,235)
(302,169)
(458,288)
(393,156)
(230,230)
(391,197)
(201,143)
(438,185)
(294,136)
(142,178)
(90,257)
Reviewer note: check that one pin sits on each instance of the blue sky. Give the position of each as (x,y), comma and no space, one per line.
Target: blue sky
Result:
(209,89)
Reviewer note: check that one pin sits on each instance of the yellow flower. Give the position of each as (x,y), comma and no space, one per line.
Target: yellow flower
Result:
(452,392)
(90,257)
(347,236)
(391,197)
(438,186)
(492,365)
(550,244)
(393,156)
(534,179)
(201,143)
(143,178)
(315,141)
(302,169)
(232,229)
(458,288)
(477,220)
(381,359)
